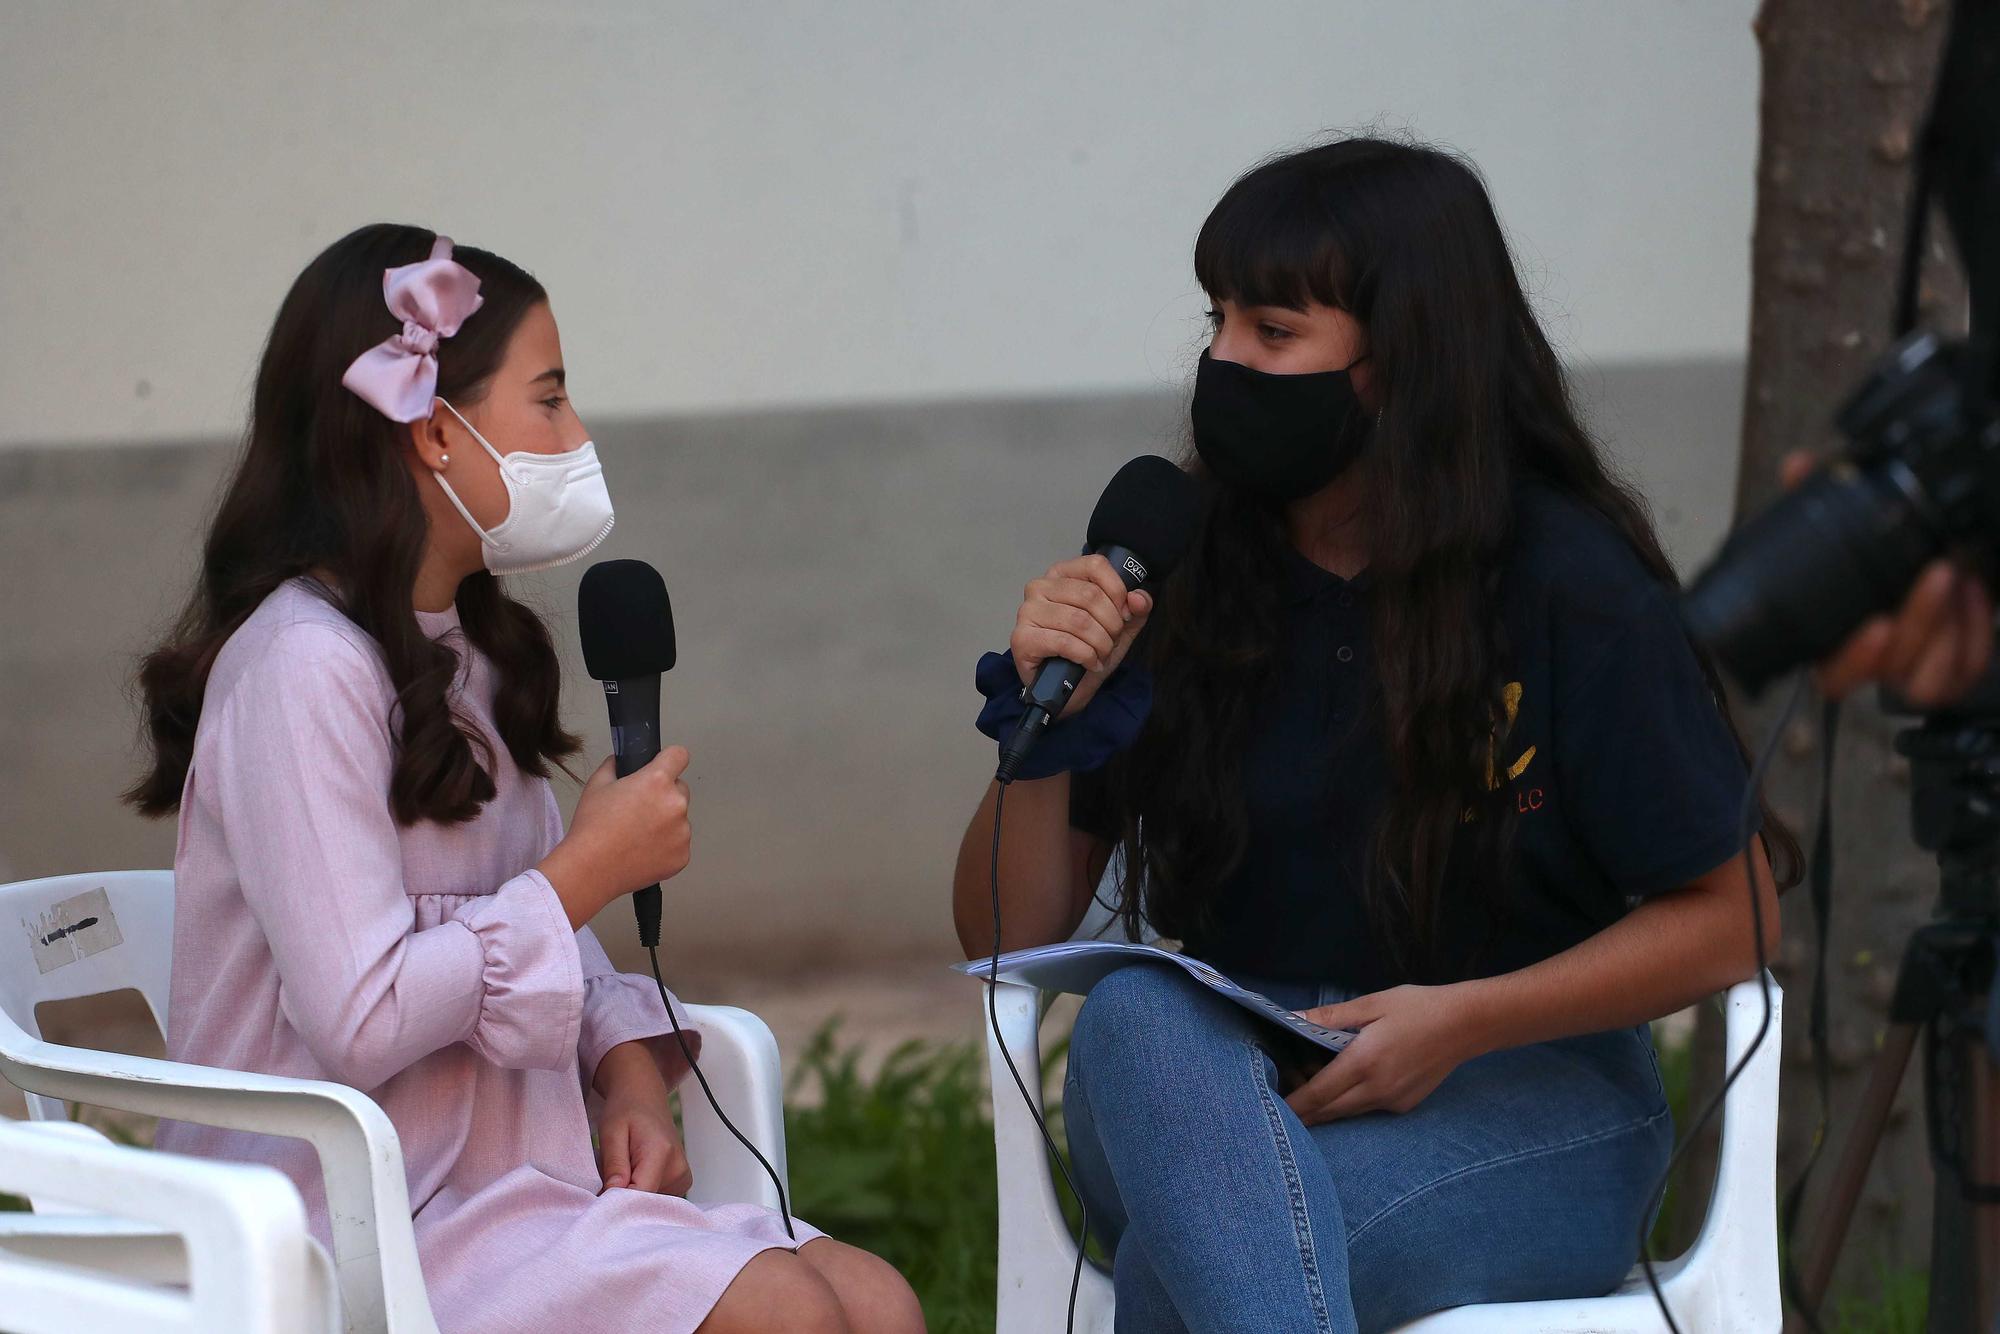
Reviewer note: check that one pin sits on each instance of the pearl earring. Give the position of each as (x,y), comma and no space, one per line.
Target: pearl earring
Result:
(444,460)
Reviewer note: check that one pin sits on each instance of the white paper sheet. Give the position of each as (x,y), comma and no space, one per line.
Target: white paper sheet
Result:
(1077,965)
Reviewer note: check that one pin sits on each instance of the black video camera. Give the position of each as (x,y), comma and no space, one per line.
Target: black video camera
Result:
(1921,474)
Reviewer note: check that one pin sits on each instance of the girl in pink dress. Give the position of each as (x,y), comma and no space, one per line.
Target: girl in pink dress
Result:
(356,726)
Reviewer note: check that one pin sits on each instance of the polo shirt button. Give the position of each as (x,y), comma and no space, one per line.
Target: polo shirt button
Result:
(1347,599)
(1344,653)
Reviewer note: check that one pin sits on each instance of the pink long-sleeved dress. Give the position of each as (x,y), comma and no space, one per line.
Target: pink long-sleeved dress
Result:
(431,967)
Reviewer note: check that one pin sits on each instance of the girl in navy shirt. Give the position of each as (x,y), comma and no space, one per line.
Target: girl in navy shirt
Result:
(1427,754)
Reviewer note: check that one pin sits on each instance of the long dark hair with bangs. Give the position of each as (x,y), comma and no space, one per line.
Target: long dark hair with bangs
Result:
(322,485)
(1473,399)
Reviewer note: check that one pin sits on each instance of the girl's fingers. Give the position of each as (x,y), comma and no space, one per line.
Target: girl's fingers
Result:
(1095,569)
(1345,1014)
(1078,624)
(671,762)
(1091,600)
(648,1166)
(1130,634)
(679,1178)
(1352,1103)
(617,1153)
(1310,1099)
(1042,644)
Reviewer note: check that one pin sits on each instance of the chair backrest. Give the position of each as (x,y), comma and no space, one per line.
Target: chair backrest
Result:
(1099,922)
(69,936)
(249,1265)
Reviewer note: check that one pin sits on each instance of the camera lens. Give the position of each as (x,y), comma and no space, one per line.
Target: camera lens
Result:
(1788,587)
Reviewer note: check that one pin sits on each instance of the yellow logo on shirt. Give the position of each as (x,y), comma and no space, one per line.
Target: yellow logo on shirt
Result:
(1529,799)
(1510,698)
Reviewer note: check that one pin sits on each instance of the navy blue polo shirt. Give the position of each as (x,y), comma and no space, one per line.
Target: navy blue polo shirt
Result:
(1619,773)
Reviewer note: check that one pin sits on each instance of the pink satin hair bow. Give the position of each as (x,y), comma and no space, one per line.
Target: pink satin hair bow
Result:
(432,297)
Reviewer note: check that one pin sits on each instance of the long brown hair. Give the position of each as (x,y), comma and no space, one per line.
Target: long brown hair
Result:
(322,485)
(1405,238)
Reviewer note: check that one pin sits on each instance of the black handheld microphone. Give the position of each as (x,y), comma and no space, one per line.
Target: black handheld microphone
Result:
(1142,525)
(627,627)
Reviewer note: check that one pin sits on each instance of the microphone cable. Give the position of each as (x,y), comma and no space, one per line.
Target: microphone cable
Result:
(993,1021)
(680,1036)
(1746,837)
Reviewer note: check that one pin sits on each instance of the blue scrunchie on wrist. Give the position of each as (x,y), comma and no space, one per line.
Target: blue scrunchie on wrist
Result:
(1079,742)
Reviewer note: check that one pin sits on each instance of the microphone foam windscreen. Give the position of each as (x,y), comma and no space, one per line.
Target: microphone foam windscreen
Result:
(1150,508)
(625,620)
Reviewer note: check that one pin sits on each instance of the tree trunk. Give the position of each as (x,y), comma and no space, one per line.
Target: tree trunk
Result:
(1846,84)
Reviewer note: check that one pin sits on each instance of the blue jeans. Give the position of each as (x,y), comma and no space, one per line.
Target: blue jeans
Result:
(1524,1175)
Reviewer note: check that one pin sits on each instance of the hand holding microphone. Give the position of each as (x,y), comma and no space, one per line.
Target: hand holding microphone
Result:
(1071,631)
(1080,612)
(631,827)
(627,832)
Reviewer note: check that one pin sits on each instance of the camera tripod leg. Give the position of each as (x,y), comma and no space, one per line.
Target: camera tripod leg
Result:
(1983,1134)
(1837,1211)
(1965,1231)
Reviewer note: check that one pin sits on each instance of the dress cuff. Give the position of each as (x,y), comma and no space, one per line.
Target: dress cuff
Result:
(625,1007)
(531,992)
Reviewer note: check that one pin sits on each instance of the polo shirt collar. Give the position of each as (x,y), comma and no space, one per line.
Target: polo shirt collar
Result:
(1304,581)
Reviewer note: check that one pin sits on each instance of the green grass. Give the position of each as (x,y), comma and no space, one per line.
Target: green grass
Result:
(1901,1307)
(1677,1077)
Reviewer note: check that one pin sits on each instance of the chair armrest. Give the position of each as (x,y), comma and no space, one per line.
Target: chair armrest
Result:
(739,1057)
(368,1206)
(1744,1201)
(1035,1239)
(248,1254)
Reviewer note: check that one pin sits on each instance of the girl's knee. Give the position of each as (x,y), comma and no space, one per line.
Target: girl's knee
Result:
(1131,997)
(872,1293)
(778,1290)
(1132,1011)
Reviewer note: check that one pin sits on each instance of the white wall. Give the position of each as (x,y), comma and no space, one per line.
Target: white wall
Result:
(745,204)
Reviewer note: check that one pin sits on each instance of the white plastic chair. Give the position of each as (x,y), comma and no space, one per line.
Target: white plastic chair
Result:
(1726,1283)
(84,935)
(248,1263)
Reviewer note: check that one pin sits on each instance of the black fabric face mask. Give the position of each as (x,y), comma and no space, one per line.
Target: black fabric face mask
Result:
(1281,437)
